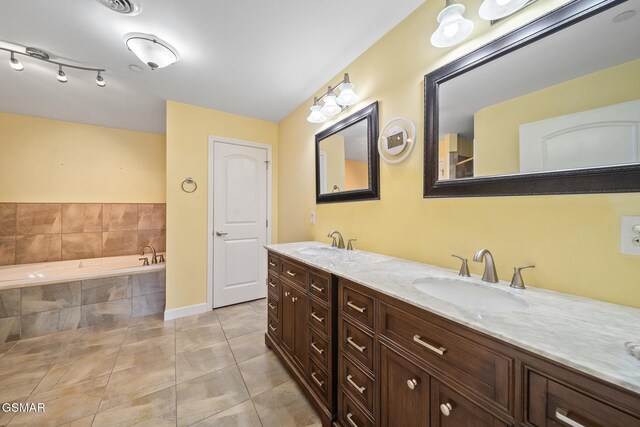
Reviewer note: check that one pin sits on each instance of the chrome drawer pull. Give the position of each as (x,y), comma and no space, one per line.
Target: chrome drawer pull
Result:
(315,316)
(291,273)
(563,415)
(272,327)
(412,383)
(273,285)
(440,350)
(355,307)
(272,264)
(319,350)
(360,348)
(350,381)
(272,307)
(317,288)
(320,383)
(349,418)
(446,409)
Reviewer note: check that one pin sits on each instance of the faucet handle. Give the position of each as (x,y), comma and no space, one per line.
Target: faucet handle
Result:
(516,281)
(145,260)
(161,258)
(464,268)
(350,245)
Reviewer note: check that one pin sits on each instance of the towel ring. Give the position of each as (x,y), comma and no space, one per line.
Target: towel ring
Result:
(189,181)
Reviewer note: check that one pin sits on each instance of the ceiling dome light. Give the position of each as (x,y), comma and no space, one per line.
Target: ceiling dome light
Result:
(490,10)
(100,80)
(62,77)
(316,115)
(347,95)
(151,50)
(453,26)
(331,107)
(15,64)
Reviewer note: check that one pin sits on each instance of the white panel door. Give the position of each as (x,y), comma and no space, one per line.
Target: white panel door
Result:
(239,223)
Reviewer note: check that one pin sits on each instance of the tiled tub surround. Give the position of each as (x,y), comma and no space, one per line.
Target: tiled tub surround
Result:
(585,334)
(40,232)
(32,311)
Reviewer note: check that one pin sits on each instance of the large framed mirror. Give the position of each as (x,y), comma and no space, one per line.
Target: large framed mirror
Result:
(551,108)
(347,162)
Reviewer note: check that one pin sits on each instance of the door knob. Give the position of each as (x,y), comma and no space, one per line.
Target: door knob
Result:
(221,233)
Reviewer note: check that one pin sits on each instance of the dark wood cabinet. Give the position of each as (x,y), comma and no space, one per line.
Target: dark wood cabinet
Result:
(451,409)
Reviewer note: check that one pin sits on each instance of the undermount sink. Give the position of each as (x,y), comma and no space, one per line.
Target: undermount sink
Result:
(469,295)
(319,251)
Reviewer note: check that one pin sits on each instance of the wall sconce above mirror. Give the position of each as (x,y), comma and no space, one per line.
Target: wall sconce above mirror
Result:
(333,104)
(347,161)
(551,108)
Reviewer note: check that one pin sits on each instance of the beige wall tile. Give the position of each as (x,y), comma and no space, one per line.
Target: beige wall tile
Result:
(81,245)
(151,216)
(7,250)
(9,329)
(147,304)
(7,219)
(155,238)
(50,297)
(50,322)
(9,303)
(106,289)
(38,248)
(116,243)
(148,283)
(38,218)
(119,217)
(104,312)
(81,218)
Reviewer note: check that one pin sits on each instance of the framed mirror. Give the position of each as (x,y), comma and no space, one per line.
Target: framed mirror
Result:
(347,162)
(551,108)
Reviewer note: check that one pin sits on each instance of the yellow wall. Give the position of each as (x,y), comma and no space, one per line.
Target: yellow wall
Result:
(44,160)
(497,127)
(573,240)
(356,175)
(188,129)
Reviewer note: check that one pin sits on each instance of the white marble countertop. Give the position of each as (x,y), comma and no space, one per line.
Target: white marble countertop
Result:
(582,333)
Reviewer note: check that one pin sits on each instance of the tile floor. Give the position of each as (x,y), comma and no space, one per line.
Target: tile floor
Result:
(210,369)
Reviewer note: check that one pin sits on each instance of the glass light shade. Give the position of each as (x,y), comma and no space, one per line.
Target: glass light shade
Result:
(62,77)
(15,64)
(347,95)
(151,50)
(490,10)
(330,107)
(453,26)
(316,115)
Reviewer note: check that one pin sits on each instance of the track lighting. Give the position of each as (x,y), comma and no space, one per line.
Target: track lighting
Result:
(333,105)
(41,55)
(15,64)
(453,27)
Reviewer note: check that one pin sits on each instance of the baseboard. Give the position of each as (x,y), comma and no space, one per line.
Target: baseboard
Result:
(176,313)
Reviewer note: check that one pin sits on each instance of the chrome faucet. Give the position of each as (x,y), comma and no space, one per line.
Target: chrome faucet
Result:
(350,244)
(490,275)
(154,258)
(340,243)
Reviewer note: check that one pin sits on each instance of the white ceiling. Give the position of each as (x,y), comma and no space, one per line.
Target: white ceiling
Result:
(256,58)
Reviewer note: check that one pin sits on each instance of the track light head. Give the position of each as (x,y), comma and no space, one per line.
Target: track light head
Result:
(15,64)
(100,80)
(62,77)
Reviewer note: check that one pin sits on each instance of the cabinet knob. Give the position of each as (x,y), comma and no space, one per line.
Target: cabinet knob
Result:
(412,383)
(446,409)
(286,294)
(294,299)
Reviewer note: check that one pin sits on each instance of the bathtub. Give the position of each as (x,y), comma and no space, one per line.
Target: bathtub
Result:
(45,273)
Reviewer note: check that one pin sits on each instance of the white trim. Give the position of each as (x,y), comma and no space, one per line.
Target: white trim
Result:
(190,310)
(212,140)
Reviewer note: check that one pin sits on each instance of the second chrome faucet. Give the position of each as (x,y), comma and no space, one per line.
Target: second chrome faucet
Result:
(338,242)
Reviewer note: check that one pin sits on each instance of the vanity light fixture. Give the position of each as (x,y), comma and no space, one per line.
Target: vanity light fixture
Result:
(151,50)
(453,28)
(492,10)
(41,55)
(333,105)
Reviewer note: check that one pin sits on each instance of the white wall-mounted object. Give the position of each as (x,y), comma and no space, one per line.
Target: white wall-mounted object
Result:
(630,235)
(453,26)
(397,139)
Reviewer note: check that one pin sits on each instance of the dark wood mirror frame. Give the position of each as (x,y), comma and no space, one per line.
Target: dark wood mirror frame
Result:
(370,114)
(614,179)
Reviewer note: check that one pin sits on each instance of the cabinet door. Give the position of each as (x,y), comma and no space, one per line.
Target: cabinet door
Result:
(404,391)
(300,343)
(449,409)
(288,318)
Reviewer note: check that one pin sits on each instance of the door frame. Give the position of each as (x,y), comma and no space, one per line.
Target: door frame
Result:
(212,140)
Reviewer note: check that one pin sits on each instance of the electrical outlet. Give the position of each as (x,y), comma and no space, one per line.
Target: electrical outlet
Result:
(630,235)
(312,217)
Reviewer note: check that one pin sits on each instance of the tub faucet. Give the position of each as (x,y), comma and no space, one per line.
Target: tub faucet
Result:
(340,243)
(490,275)
(154,258)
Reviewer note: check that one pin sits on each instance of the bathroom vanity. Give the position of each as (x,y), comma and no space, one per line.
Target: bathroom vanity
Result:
(369,347)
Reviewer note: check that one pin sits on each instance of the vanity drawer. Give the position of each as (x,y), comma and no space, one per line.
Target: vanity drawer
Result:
(550,403)
(357,343)
(273,328)
(357,305)
(319,381)
(476,367)
(273,306)
(320,286)
(350,414)
(273,284)
(293,272)
(319,348)
(319,317)
(273,262)
(357,383)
